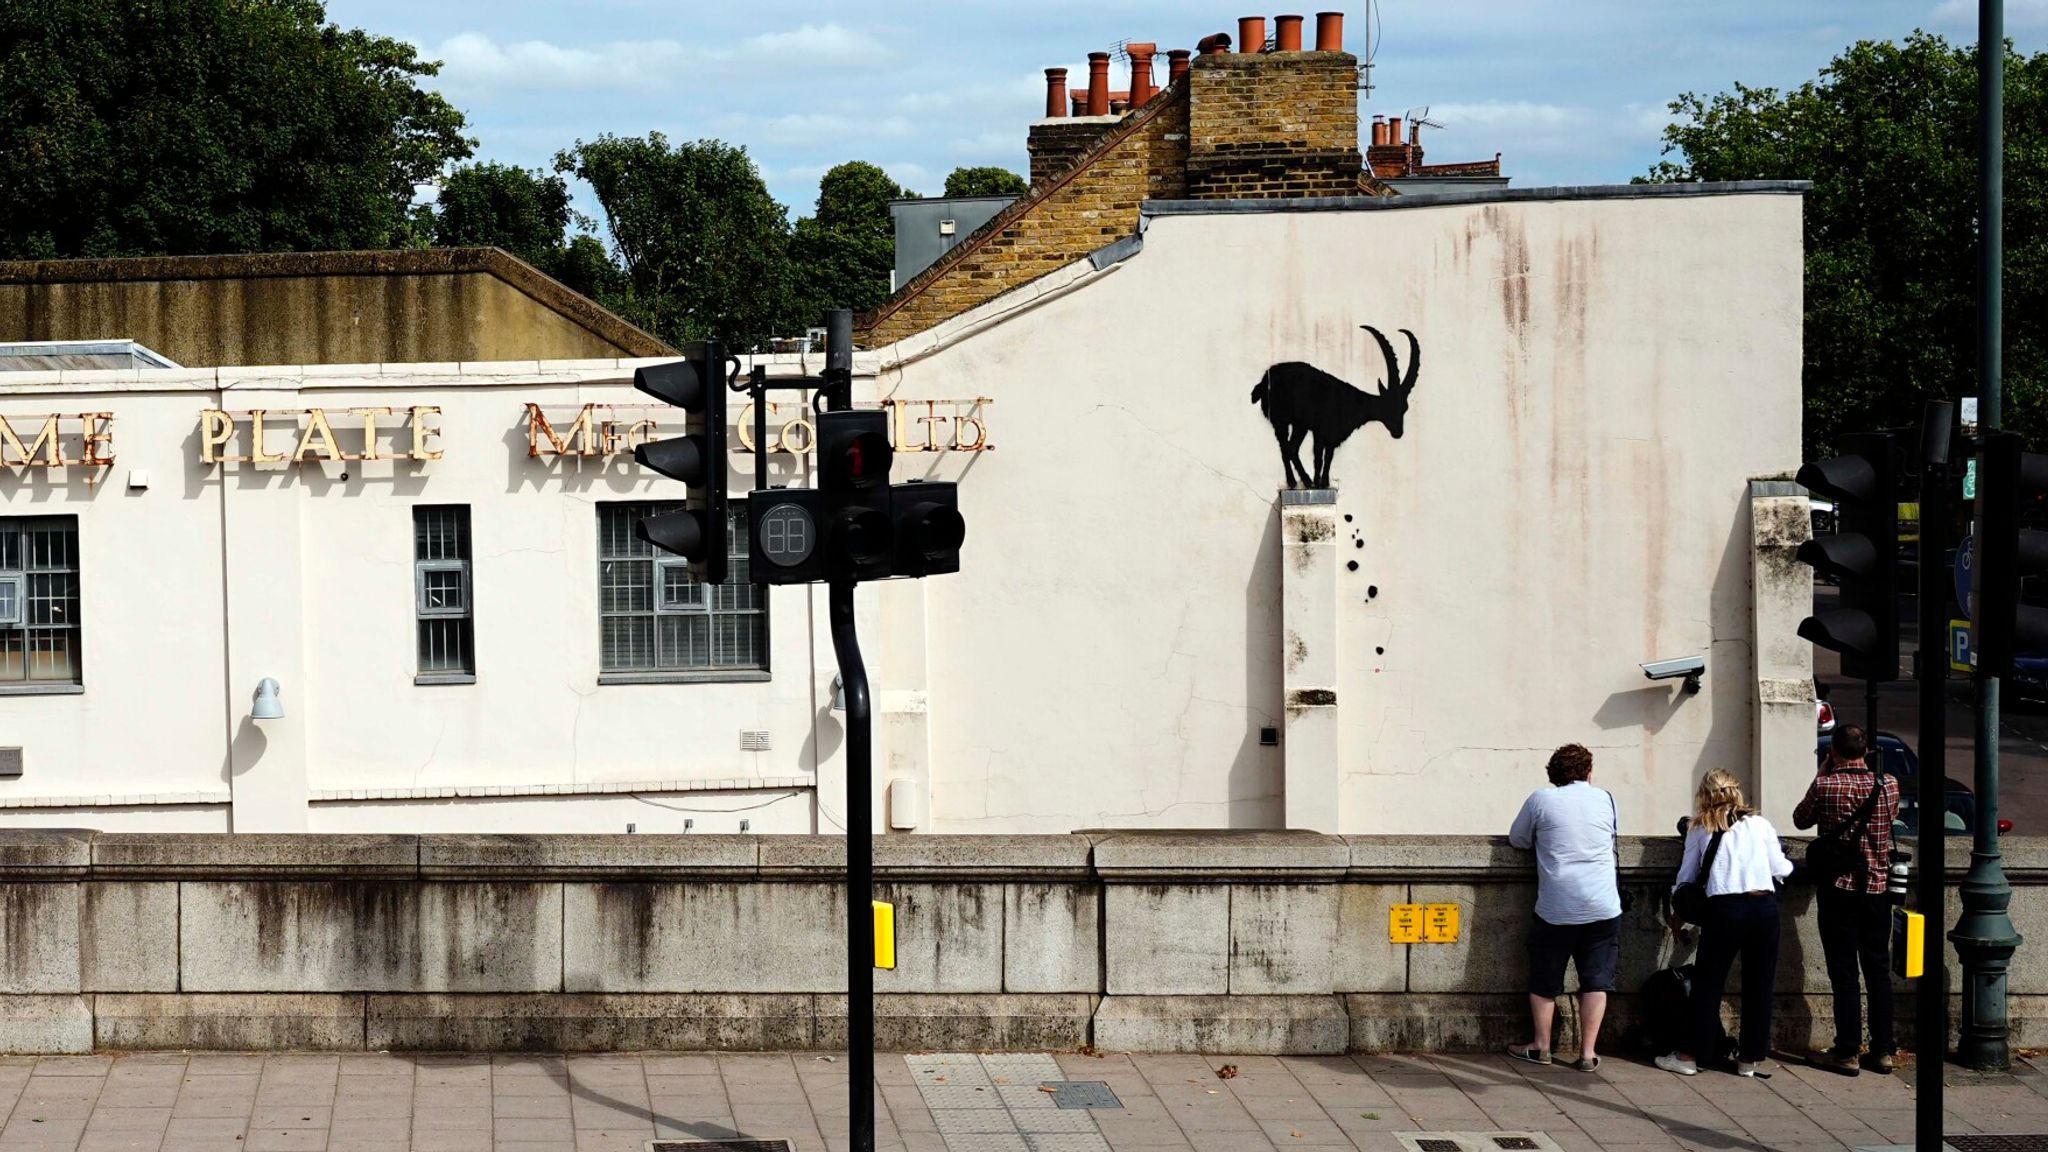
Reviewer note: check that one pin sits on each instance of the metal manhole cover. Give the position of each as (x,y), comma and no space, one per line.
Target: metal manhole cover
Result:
(1082,1094)
(2030,1142)
(720,1146)
(1476,1142)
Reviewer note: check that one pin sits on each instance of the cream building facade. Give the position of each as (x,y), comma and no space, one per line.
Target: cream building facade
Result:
(439,577)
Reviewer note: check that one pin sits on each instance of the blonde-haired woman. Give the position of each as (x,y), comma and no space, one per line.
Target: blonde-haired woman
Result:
(1736,854)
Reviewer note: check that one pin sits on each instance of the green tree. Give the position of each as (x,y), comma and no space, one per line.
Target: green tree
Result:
(526,213)
(985,182)
(495,205)
(843,254)
(142,128)
(1888,135)
(704,247)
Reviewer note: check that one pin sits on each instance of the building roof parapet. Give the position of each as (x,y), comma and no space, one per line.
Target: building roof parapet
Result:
(1476,196)
(589,857)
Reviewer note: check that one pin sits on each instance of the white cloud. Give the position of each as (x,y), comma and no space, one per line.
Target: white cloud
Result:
(474,62)
(1498,114)
(817,44)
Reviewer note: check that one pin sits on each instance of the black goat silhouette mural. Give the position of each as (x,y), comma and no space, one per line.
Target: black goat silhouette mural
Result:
(1301,400)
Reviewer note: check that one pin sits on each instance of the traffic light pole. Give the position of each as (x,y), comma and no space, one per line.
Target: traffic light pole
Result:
(1930,1029)
(860,916)
(1984,935)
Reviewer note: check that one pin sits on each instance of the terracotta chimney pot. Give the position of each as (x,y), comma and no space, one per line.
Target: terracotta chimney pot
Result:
(1141,72)
(1329,31)
(1287,33)
(1055,92)
(1393,129)
(1251,34)
(1379,131)
(1176,64)
(1214,43)
(1098,83)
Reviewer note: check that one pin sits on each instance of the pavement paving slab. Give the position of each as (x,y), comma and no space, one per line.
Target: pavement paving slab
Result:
(963,1102)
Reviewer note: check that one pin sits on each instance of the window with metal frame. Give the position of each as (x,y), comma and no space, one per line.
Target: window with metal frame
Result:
(39,616)
(441,590)
(654,618)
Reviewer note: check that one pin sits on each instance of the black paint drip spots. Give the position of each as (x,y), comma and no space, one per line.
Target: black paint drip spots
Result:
(1353,565)
(1360,543)
(1379,651)
(1347,517)
(1372,592)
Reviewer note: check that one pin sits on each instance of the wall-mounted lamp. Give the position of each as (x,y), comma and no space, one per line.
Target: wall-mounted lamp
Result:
(838,695)
(268,706)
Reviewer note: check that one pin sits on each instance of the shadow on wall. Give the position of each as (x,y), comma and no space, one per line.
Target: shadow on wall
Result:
(246,749)
(1646,708)
(1254,783)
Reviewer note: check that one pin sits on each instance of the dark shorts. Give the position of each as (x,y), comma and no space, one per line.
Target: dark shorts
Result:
(1594,949)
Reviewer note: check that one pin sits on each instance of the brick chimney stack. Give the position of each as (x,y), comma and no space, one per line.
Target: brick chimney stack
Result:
(1280,124)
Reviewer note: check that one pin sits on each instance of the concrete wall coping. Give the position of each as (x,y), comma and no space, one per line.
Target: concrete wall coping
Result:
(1163,857)
(52,854)
(222,855)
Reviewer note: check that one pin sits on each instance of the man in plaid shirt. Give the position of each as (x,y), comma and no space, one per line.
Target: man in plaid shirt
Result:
(1855,912)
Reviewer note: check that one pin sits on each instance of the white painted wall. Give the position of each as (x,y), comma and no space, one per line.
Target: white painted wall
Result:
(1600,379)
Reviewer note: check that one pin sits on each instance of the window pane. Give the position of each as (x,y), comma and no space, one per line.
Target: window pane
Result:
(628,644)
(52,654)
(441,590)
(445,645)
(626,586)
(10,600)
(13,654)
(52,598)
(10,545)
(440,532)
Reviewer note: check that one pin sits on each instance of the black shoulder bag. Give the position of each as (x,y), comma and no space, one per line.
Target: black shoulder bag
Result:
(1832,856)
(1689,900)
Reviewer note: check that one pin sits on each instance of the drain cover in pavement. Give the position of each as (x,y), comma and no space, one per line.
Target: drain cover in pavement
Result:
(719,1146)
(1082,1094)
(1475,1141)
(2031,1142)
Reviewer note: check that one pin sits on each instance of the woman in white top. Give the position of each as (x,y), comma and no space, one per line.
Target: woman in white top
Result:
(1742,919)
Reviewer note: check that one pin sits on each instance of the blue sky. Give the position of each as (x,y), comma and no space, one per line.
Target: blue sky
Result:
(1569,91)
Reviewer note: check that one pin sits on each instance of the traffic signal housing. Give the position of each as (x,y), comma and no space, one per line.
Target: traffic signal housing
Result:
(1861,555)
(929,529)
(783,536)
(2012,486)
(855,510)
(696,384)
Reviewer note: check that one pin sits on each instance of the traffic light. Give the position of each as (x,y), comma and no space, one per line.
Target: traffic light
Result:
(2011,484)
(696,384)
(1862,556)
(854,504)
(929,529)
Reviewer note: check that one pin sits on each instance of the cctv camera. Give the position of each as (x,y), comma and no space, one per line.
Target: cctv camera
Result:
(1688,668)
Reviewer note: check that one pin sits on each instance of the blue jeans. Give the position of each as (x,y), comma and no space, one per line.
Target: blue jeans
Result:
(1745,926)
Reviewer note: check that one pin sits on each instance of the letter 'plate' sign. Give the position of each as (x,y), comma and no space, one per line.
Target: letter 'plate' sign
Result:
(1440,924)
(1404,924)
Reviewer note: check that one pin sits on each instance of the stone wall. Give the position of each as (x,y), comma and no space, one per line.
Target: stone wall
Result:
(1254,942)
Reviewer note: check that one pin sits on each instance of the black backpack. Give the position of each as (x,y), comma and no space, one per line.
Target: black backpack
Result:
(1665,1005)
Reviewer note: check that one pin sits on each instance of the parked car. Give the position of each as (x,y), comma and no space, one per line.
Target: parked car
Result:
(2029,679)
(1959,803)
(1823,712)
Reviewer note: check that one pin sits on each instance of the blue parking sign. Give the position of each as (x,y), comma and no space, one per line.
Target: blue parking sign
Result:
(1960,658)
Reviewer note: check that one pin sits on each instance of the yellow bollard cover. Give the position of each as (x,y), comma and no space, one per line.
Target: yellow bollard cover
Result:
(885,934)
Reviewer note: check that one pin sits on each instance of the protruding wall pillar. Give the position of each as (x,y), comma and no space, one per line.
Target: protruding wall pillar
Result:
(1308,657)
(1782,596)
